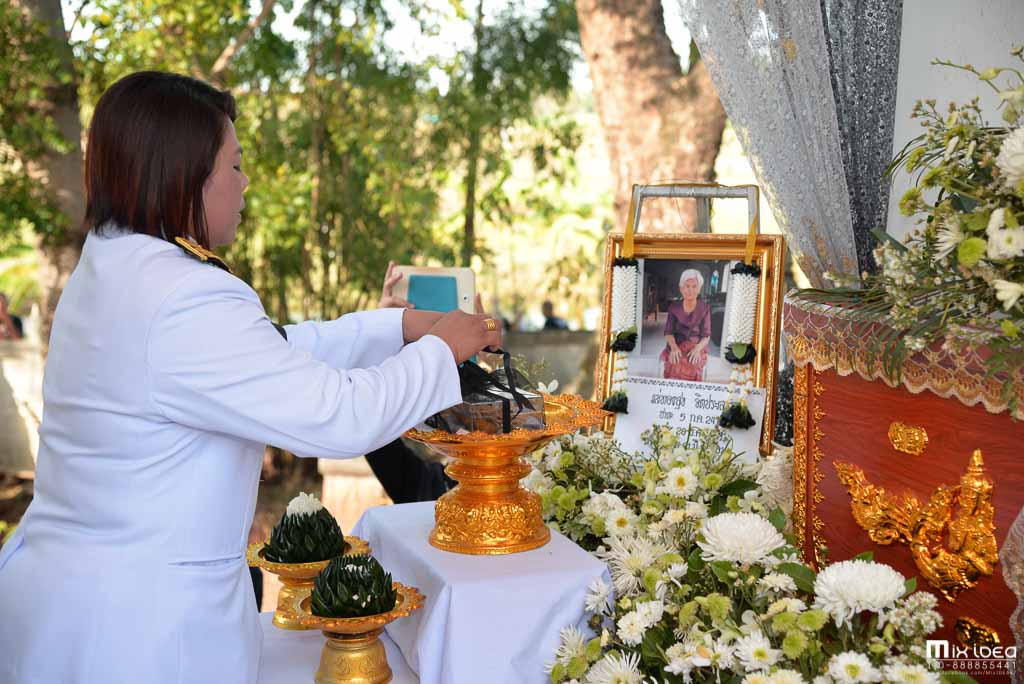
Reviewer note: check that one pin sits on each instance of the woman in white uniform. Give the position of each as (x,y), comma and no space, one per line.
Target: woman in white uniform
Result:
(164,380)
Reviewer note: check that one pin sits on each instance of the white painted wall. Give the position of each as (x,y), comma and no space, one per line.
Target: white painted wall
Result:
(978,32)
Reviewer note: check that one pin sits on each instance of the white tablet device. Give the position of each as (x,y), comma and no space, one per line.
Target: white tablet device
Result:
(436,288)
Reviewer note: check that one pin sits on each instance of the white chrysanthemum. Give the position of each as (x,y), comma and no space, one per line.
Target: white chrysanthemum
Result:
(631,628)
(742,308)
(1008,293)
(948,237)
(598,593)
(680,482)
(538,482)
(846,588)
(755,678)
(786,605)
(851,667)
(739,537)
(911,674)
(823,679)
(650,612)
(684,657)
(776,581)
(303,504)
(600,505)
(622,669)
(1011,159)
(1005,243)
(786,677)
(627,558)
(624,298)
(755,652)
(572,644)
(620,521)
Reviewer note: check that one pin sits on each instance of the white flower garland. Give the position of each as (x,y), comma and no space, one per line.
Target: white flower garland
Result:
(744,286)
(624,279)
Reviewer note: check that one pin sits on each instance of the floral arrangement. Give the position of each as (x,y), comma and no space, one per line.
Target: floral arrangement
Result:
(958,279)
(705,585)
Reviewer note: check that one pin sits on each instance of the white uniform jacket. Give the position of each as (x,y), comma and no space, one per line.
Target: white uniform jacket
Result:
(164,381)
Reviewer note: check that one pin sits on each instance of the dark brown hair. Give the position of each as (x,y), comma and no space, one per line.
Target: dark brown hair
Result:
(152,144)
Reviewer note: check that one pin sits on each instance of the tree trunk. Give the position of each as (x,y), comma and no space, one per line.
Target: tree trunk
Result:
(59,173)
(658,124)
(473,151)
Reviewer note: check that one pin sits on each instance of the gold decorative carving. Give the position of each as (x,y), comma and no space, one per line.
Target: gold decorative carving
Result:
(948,565)
(489,512)
(971,633)
(908,438)
(800,374)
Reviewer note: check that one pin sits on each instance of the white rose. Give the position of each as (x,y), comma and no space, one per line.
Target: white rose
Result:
(1011,159)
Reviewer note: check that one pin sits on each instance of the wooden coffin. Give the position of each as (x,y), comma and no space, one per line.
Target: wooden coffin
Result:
(863,443)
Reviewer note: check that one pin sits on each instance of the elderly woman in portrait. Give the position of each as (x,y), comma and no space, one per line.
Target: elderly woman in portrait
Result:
(687,331)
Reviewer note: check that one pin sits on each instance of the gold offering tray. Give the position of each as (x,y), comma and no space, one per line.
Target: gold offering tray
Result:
(489,512)
(296,577)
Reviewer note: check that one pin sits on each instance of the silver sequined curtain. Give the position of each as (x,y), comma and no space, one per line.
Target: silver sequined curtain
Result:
(770,65)
(863,41)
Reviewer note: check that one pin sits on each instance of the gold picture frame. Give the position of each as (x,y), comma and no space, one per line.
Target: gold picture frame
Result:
(768,254)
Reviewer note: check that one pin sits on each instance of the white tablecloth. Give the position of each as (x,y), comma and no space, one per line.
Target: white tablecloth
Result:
(292,656)
(493,619)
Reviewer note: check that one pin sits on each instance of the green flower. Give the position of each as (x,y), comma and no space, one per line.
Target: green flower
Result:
(911,198)
(577,666)
(970,251)
(812,620)
(687,615)
(713,481)
(784,622)
(557,673)
(593,649)
(716,606)
(794,644)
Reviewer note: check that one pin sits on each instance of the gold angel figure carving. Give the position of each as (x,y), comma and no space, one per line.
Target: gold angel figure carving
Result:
(951,536)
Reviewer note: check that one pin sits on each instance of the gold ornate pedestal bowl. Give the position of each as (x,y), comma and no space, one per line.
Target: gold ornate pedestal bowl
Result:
(296,577)
(489,512)
(353,653)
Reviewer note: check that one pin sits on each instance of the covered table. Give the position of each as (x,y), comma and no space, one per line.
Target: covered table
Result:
(487,618)
(292,656)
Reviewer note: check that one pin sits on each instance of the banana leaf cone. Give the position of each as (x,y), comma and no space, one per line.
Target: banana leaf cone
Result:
(352,586)
(305,538)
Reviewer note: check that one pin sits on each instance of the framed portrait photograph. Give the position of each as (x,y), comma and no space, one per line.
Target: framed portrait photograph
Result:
(693,298)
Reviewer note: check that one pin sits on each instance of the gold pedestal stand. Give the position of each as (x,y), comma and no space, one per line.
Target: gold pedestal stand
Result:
(297,578)
(354,653)
(489,512)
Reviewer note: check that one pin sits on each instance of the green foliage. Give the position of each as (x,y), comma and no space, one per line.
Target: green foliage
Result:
(352,586)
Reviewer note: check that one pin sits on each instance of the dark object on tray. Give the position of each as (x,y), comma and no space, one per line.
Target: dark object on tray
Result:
(496,402)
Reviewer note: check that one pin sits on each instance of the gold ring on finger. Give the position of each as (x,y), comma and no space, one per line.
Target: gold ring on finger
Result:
(490,324)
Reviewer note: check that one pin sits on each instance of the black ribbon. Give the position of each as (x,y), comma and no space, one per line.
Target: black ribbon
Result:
(475,380)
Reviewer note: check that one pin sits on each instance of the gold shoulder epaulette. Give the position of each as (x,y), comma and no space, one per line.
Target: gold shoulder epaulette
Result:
(201,253)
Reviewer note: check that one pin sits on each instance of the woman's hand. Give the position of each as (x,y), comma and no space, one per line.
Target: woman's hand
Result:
(388,300)
(466,334)
(675,355)
(696,352)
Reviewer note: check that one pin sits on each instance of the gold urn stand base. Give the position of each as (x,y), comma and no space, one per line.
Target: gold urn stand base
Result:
(489,513)
(353,659)
(296,578)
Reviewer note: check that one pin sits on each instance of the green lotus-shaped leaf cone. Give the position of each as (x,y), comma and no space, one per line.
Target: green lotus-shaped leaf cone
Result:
(305,538)
(352,586)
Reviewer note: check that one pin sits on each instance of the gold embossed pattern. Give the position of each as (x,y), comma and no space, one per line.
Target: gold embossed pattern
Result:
(951,547)
(908,438)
